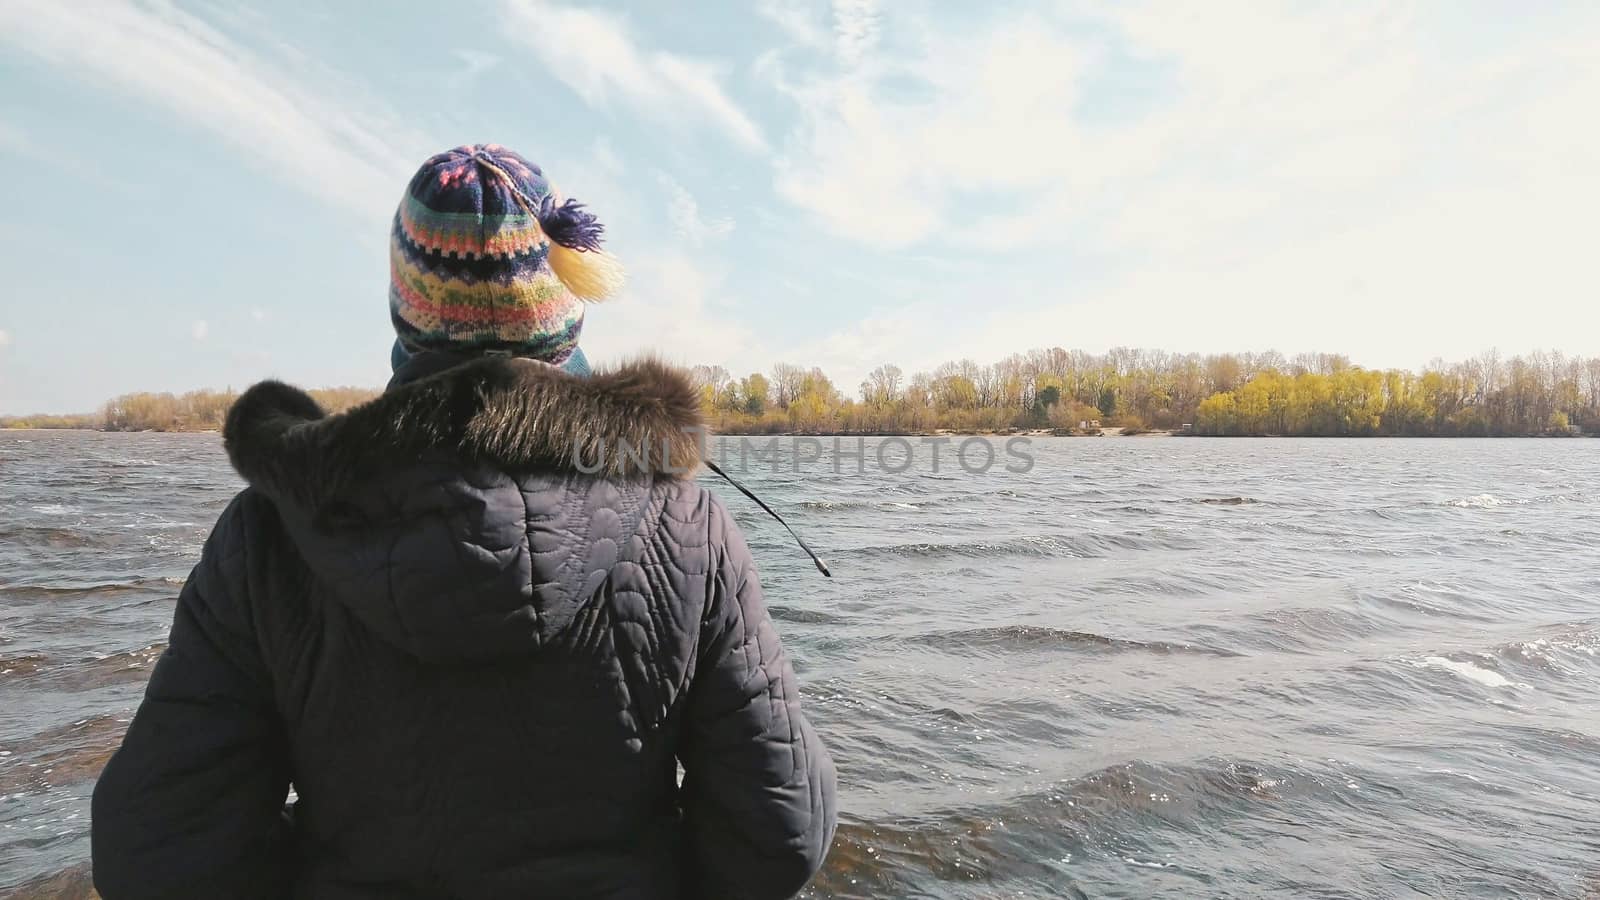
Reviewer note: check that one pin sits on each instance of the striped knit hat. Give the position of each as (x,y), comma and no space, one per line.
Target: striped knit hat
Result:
(486,257)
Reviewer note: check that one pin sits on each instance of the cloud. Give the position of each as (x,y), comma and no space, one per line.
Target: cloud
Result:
(795,21)
(199,329)
(258,314)
(914,336)
(683,211)
(847,29)
(666,307)
(1259,116)
(886,153)
(286,116)
(595,54)
(855,29)
(1194,162)
(5,339)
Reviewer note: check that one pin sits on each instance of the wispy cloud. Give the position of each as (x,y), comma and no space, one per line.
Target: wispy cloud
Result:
(199,329)
(855,29)
(281,115)
(669,306)
(888,166)
(683,211)
(596,55)
(847,30)
(795,20)
(1274,158)
(1287,117)
(5,338)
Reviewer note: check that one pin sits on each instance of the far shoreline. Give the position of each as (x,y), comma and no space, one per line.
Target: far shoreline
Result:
(1106,432)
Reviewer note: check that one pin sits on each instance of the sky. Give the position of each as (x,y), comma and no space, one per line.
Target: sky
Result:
(198,193)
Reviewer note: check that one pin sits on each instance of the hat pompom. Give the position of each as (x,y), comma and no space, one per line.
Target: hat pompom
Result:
(569,224)
(575,254)
(591,275)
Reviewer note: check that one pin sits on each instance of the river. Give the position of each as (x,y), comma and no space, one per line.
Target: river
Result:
(1143,667)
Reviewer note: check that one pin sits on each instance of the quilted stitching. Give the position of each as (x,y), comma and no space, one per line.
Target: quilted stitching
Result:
(487,684)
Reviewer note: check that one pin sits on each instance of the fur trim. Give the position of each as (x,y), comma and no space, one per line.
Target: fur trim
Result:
(641,419)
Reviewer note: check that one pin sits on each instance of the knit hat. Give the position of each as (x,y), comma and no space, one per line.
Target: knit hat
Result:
(485,256)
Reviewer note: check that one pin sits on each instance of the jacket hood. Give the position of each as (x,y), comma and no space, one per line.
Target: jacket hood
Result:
(470,513)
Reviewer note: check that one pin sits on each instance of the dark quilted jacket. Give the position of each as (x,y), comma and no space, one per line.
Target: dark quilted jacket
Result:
(479,667)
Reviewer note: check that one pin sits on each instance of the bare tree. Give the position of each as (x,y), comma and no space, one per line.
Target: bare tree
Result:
(786,382)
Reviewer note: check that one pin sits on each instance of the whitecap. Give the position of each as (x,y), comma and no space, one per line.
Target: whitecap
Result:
(1478,501)
(1485,677)
(57,509)
(1147,865)
(1455,774)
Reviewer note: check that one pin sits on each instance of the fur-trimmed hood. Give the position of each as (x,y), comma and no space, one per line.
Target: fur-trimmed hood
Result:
(470,513)
(639,419)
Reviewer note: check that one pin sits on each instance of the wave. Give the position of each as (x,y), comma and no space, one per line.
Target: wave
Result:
(1309,627)
(906,858)
(1553,741)
(1081,546)
(1469,671)
(49,592)
(1224,501)
(1434,599)
(161,525)
(850,505)
(804,616)
(48,536)
(1564,650)
(831,505)
(73,881)
(82,674)
(1490,501)
(1037,637)
(56,509)
(64,755)
(1027,841)
(23,665)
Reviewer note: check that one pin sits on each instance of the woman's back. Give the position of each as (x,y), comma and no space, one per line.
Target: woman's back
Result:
(479,665)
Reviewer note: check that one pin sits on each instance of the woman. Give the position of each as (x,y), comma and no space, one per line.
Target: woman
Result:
(477,639)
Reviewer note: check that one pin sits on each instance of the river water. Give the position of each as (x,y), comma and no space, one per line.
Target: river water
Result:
(1144,667)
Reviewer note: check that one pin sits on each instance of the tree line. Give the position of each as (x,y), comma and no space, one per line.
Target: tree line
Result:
(194,411)
(1071,391)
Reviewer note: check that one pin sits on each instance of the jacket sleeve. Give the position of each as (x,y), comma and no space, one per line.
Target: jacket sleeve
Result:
(192,803)
(759,788)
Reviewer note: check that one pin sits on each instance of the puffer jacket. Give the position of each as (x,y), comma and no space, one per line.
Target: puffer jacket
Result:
(481,667)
